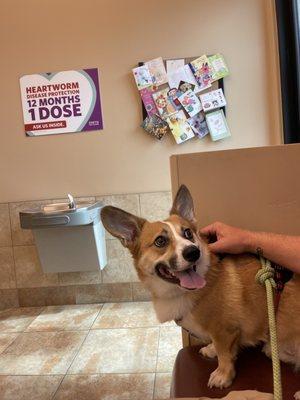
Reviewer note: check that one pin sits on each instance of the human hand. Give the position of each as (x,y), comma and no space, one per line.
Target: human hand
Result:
(229,239)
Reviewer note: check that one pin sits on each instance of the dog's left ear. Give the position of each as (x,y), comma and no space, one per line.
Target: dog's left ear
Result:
(183,204)
(121,224)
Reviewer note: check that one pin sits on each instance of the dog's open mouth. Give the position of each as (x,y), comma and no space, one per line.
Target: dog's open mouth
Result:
(188,279)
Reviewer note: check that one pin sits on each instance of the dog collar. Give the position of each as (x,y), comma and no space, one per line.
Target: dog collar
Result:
(282,275)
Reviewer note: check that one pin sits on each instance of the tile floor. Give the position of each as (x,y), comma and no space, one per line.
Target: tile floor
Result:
(86,352)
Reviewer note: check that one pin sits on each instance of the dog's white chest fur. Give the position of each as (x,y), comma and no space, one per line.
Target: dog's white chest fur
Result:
(180,309)
(168,309)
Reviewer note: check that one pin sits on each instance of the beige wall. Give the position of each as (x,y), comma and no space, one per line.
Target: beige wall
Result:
(56,35)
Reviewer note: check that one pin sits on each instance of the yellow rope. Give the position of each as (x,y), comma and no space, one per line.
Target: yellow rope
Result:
(265,277)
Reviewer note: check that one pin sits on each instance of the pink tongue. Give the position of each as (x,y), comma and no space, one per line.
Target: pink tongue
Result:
(190,279)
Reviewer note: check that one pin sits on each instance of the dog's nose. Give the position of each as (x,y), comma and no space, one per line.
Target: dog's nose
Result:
(191,253)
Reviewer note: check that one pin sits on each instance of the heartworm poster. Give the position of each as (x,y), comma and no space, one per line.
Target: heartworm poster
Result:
(61,102)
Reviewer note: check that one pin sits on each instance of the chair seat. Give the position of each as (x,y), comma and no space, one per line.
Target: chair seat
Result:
(254,371)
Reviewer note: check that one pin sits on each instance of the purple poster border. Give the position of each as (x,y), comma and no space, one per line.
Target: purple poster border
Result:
(95,120)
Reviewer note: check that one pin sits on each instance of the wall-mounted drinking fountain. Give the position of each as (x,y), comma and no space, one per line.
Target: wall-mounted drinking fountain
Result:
(69,236)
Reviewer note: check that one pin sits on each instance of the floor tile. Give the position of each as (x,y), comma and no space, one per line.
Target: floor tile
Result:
(126,315)
(106,387)
(17,319)
(28,387)
(65,318)
(6,339)
(169,345)
(41,353)
(117,351)
(162,386)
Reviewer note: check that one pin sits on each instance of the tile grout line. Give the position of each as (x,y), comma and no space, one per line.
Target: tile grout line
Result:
(18,334)
(87,374)
(58,386)
(80,347)
(98,313)
(83,329)
(158,340)
(76,354)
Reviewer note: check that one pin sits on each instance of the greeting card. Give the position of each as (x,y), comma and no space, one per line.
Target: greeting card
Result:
(218,67)
(163,103)
(217,125)
(142,77)
(173,65)
(146,95)
(199,125)
(157,71)
(185,86)
(190,103)
(202,71)
(180,127)
(173,95)
(156,126)
(183,74)
(212,100)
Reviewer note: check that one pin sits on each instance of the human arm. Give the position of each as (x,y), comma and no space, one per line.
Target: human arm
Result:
(283,250)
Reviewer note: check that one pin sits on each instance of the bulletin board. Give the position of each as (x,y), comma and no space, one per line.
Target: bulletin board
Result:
(183,97)
(215,85)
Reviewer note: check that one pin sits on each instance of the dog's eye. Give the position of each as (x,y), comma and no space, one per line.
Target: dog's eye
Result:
(160,241)
(188,234)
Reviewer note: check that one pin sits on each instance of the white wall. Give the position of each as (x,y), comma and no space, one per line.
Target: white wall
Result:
(114,36)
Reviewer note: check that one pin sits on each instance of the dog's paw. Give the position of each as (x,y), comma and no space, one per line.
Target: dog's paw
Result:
(267,350)
(220,379)
(208,351)
(297,395)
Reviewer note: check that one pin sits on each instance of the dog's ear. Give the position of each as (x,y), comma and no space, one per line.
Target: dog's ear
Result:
(122,225)
(183,204)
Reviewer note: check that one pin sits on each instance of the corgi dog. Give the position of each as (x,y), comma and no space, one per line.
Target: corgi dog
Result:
(218,301)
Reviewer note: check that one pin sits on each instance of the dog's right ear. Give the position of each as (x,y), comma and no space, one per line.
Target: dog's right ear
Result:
(183,204)
(124,226)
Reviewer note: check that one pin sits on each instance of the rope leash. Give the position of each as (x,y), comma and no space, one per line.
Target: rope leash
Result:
(265,276)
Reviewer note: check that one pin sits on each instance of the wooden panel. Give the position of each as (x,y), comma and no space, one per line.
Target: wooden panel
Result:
(255,188)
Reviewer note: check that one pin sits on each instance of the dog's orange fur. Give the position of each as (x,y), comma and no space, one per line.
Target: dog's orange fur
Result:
(229,312)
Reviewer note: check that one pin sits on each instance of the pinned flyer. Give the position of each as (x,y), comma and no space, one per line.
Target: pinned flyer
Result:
(218,67)
(190,102)
(180,127)
(217,125)
(156,126)
(157,71)
(149,103)
(174,65)
(183,74)
(142,77)
(212,100)
(199,125)
(173,95)
(202,71)
(163,103)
